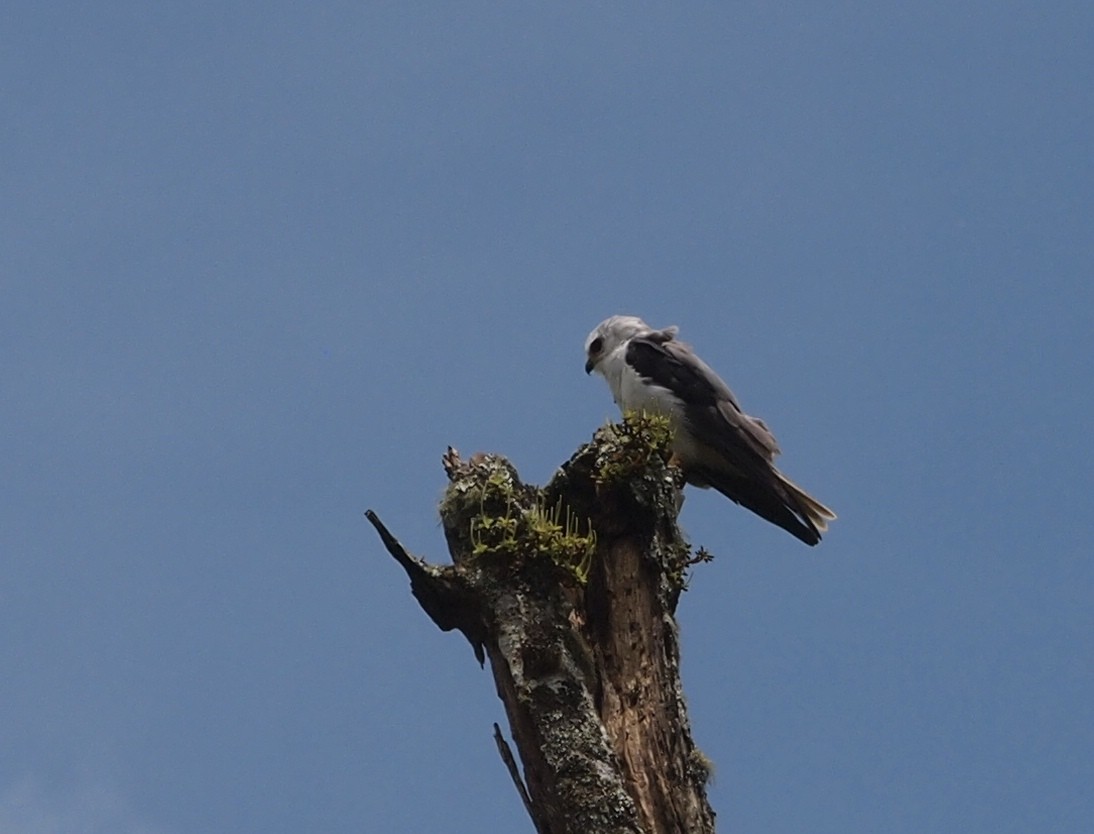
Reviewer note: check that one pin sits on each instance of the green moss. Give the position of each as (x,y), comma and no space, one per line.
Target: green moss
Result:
(509,528)
(497,521)
(634,448)
(556,532)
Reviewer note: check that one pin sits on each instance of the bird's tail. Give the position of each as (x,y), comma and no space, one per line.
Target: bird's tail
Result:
(773,496)
(809,507)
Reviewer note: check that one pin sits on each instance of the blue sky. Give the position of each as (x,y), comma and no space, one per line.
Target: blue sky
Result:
(261,263)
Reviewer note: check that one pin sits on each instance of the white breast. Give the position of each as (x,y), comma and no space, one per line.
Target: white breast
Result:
(637,394)
(633,393)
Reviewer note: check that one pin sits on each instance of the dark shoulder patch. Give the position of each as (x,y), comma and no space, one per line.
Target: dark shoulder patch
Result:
(652,361)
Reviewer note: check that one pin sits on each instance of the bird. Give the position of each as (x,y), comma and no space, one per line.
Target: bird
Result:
(715,444)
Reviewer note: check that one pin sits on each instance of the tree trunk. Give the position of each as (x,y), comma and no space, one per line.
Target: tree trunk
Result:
(570,591)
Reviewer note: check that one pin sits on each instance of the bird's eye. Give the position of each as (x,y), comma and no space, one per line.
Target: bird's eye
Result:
(596,345)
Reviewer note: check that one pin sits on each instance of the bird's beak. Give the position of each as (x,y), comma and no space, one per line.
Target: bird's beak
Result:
(589,365)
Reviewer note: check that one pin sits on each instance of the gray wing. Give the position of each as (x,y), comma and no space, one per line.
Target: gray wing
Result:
(711,410)
(740,464)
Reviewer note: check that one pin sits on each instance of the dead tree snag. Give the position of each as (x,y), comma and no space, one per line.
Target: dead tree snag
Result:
(570,591)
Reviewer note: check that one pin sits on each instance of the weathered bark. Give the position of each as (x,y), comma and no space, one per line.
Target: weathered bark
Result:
(570,591)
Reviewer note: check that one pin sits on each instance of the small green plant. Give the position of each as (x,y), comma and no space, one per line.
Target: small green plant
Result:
(554,533)
(557,532)
(494,532)
(630,446)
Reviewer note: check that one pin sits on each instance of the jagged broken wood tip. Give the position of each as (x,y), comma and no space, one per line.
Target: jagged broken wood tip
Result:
(438,590)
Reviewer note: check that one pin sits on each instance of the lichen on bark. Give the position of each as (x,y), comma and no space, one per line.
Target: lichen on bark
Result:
(570,591)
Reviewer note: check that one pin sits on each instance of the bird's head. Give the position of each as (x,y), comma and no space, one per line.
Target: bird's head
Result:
(612,333)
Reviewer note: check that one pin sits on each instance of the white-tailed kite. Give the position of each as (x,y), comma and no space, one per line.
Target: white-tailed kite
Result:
(714,443)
